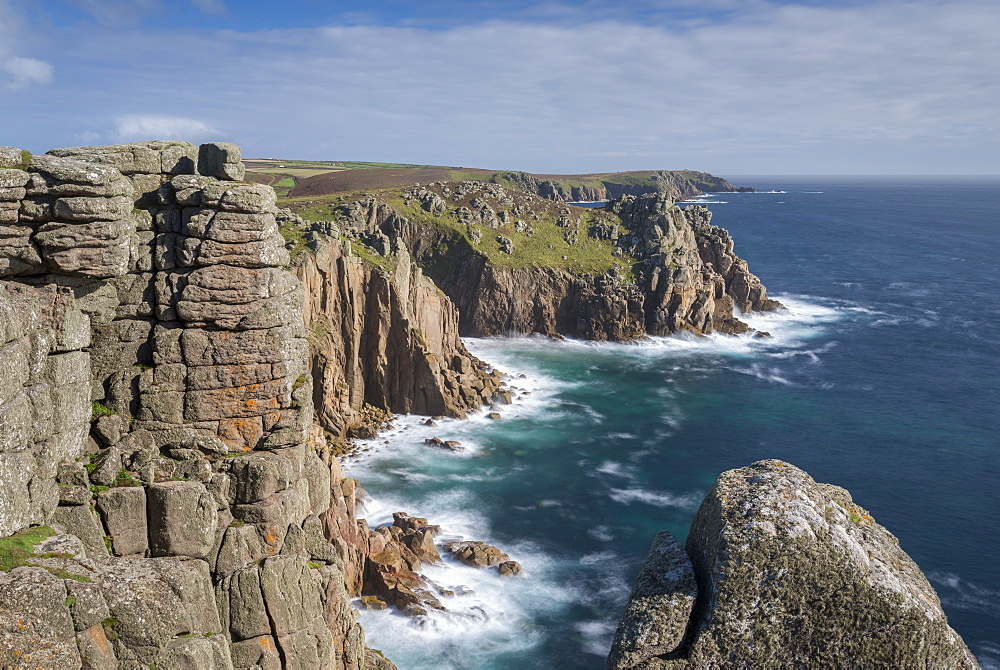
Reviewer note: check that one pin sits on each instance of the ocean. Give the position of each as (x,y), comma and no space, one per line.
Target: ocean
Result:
(882,377)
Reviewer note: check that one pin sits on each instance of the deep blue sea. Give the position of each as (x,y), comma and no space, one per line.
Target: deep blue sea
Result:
(883,377)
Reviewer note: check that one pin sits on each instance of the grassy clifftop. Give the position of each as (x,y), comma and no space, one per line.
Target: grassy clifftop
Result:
(510,229)
(313,179)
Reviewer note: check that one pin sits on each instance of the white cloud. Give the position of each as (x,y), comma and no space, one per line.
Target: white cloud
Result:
(17,71)
(25,71)
(882,86)
(141,127)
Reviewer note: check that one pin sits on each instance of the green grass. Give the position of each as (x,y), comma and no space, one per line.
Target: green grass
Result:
(66,574)
(546,247)
(97,410)
(25,160)
(295,239)
(18,550)
(386,264)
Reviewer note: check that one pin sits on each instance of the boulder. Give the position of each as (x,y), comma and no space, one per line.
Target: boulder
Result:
(478,554)
(510,569)
(792,573)
(221,160)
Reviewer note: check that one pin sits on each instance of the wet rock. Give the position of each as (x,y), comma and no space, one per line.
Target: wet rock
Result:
(510,569)
(478,554)
(373,603)
(493,415)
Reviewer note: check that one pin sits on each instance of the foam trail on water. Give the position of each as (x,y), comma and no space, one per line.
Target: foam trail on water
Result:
(501,619)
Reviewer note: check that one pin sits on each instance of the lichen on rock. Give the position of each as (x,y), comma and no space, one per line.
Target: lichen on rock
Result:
(794,573)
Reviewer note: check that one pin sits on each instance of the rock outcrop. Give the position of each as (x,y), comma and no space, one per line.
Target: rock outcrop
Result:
(156,410)
(655,268)
(383,338)
(789,573)
(692,280)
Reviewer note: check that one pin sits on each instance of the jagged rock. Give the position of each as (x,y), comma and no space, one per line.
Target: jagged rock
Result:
(689,279)
(510,569)
(381,365)
(793,572)
(659,607)
(478,554)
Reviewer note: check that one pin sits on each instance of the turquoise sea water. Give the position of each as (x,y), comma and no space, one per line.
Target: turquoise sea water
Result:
(883,377)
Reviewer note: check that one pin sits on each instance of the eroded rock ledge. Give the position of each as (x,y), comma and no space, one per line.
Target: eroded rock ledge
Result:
(780,571)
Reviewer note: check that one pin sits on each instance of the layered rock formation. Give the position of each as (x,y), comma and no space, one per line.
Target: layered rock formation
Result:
(665,269)
(781,571)
(156,409)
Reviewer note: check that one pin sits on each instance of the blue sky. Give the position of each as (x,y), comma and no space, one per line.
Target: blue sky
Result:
(726,86)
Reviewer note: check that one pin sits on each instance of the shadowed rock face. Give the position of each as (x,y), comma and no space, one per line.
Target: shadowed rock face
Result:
(791,573)
(385,339)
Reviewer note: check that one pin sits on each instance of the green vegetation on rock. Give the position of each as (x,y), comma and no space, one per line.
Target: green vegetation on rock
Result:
(295,238)
(97,410)
(18,548)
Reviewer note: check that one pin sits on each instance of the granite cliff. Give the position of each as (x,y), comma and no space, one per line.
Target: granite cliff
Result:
(383,338)
(779,571)
(166,496)
(518,263)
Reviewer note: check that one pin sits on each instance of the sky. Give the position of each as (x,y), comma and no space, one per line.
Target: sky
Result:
(732,87)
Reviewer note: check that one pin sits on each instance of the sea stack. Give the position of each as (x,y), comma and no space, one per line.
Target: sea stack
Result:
(789,572)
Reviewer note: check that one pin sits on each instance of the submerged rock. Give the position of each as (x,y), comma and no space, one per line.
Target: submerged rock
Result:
(793,573)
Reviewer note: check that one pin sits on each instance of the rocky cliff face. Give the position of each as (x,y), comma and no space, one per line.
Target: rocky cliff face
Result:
(383,338)
(643,266)
(589,188)
(781,571)
(164,498)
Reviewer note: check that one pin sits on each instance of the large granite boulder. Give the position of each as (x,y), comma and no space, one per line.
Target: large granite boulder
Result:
(793,573)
